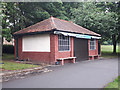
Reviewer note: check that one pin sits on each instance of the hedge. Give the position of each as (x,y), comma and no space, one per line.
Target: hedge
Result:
(8,49)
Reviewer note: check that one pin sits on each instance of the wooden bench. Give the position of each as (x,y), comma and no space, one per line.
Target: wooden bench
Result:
(68,58)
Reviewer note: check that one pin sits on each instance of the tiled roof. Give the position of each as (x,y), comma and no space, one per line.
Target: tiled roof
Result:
(57,24)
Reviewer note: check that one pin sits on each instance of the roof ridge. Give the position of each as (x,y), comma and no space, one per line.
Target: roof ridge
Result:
(58,24)
(53,23)
(76,25)
(63,20)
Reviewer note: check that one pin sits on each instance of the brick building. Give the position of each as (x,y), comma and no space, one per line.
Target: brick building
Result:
(53,39)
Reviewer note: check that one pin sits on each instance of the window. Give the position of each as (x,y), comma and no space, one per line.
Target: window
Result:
(92,44)
(64,43)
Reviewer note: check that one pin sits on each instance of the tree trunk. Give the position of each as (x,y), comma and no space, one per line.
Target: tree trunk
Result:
(114,48)
(114,43)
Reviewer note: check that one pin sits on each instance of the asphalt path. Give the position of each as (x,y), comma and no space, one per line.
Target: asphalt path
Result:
(84,74)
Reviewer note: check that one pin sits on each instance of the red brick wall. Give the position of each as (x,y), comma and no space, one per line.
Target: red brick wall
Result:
(51,57)
(33,56)
(20,48)
(53,48)
(63,54)
(93,52)
(100,50)
(15,48)
(45,57)
(55,53)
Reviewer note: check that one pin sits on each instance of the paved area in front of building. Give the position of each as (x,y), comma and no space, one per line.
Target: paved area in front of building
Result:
(85,74)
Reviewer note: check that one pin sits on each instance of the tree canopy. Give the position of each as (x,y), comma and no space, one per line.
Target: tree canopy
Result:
(100,17)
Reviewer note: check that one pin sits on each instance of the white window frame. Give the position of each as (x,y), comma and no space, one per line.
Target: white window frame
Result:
(92,44)
(61,43)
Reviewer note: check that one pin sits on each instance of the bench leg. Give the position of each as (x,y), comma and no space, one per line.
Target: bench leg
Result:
(91,58)
(97,57)
(62,62)
(73,60)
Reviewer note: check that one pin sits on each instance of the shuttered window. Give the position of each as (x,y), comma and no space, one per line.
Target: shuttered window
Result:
(64,43)
(92,44)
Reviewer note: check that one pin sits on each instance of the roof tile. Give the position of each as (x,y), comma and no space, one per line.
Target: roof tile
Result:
(58,24)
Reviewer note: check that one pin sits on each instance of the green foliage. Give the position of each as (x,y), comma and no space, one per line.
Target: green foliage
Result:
(7,34)
(105,43)
(95,18)
(108,42)
(100,17)
(106,51)
(0,12)
(18,15)
(114,84)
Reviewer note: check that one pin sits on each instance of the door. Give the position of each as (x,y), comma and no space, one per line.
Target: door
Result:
(81,49)
(99,48)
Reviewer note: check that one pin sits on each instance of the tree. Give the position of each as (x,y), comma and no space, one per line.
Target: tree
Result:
(99,19)
(10,19)
(18,15)
(113,7)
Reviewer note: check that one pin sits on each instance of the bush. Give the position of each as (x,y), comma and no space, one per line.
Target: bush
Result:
(105,43)
(8,49)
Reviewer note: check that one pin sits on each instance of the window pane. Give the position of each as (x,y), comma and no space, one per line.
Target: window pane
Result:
(64,43)
(92,44)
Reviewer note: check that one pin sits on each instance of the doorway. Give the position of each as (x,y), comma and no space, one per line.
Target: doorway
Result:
(81,49)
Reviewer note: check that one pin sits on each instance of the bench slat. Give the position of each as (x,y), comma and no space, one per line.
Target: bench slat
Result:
(66,58)
(93,55)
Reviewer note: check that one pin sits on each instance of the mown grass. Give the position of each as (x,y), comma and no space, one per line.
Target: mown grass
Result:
(7,56)
(109,55)
(107,51)
(9,65)
(108,48)
(114,84)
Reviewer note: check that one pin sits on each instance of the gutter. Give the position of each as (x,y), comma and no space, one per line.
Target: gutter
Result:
(33,33)
(77,35)
(54,31)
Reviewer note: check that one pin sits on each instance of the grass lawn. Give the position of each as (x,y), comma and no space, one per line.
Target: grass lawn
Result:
(114,84)
(106,51)
(108,48)
(12,65)
(9,65)
(7,56)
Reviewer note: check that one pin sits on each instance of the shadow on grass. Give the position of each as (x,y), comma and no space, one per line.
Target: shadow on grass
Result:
(109,55)
(7,56)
